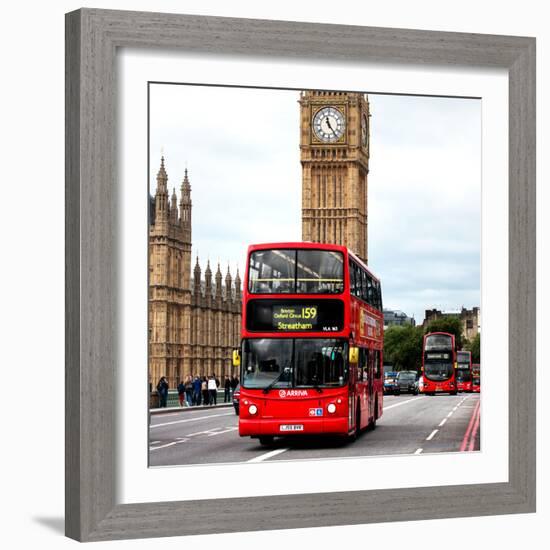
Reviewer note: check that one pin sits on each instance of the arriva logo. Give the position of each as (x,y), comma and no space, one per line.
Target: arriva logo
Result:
(293,393)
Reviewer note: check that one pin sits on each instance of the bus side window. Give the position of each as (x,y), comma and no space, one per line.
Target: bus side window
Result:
(363,364)
(370,291)
(377,369)
(352,278)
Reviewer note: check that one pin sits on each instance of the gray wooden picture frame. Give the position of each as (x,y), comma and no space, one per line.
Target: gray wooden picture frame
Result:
(92,39)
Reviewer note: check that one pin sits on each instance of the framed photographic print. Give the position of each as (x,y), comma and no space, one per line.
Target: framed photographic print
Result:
(265,217)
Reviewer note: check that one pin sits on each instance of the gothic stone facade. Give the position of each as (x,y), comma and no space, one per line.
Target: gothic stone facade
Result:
(470,319)
(193,324)
(334,145)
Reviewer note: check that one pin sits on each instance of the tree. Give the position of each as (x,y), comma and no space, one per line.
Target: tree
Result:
(474,348)
(403,347)
(452,325)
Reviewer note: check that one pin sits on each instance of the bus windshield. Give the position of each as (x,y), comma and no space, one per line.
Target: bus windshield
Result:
(463,374)
(312,362)
(438,371)
(296,272)
(438,342)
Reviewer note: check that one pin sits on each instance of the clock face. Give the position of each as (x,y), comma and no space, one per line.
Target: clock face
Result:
(329,124)
(364,131)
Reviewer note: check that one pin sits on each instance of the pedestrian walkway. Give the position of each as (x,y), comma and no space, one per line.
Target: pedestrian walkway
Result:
(173,403)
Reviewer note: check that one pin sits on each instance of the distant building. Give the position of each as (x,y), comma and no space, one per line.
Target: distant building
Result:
(335,168)
(194,322)
(397,318)
(470,319)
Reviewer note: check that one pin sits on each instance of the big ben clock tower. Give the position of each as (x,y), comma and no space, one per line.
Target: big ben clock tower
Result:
(334,145)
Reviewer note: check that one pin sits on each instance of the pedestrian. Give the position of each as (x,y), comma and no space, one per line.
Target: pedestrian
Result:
(181,392)
(162,389)
(227,390)
(197,390)
(204,389)
(188,386)
(234,383)
(212,390)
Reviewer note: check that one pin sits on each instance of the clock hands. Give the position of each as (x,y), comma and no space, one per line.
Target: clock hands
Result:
(327,120)
(328,124)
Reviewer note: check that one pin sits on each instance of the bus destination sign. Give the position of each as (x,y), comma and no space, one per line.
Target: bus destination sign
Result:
(437,355)
(294,316)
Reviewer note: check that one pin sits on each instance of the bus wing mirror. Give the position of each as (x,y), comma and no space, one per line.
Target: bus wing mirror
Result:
(236,358)
(354,355)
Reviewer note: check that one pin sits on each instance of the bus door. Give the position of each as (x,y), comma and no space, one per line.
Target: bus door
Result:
(354,369)
(372,359)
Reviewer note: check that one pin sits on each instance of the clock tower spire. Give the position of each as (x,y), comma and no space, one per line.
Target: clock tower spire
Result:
(334,152)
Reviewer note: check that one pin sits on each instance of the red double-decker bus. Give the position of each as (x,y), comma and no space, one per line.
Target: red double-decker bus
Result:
(464,371)
(476,377)
(312,342)
(438,364)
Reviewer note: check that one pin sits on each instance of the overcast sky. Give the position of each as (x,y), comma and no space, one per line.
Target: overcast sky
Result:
(241,147)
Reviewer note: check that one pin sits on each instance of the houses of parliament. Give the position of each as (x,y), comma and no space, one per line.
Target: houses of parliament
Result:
(195,320)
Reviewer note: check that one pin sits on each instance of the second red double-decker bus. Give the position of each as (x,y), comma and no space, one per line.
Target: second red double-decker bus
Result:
(438,364)
(312,343)
(464,371)
(476,377)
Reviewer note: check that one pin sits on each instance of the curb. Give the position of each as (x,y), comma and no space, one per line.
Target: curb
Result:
(165,410)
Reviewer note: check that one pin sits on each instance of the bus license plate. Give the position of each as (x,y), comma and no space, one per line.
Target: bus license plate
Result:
(292,427)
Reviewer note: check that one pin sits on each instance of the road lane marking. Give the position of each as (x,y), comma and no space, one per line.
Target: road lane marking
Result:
(475,429)
(401,403)
(442,422)
(223,431)
(418,451)
(469,428)
(190,420)
(164,446)
(430,437)
(270,454)
(196,433)
(154,442)
(450,414)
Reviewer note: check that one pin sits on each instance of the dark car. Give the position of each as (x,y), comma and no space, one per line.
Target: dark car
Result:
(406,382)
(389,382)
(236,397)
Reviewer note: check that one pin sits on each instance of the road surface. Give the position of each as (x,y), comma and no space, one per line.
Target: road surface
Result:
(410,425)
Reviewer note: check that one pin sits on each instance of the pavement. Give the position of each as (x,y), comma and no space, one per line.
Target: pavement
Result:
(164,410)
(409,425)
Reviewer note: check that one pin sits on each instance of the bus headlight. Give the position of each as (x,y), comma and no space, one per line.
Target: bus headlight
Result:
(331,408)
(252,409)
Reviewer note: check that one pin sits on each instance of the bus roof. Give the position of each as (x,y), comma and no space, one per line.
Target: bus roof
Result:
(308,245)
